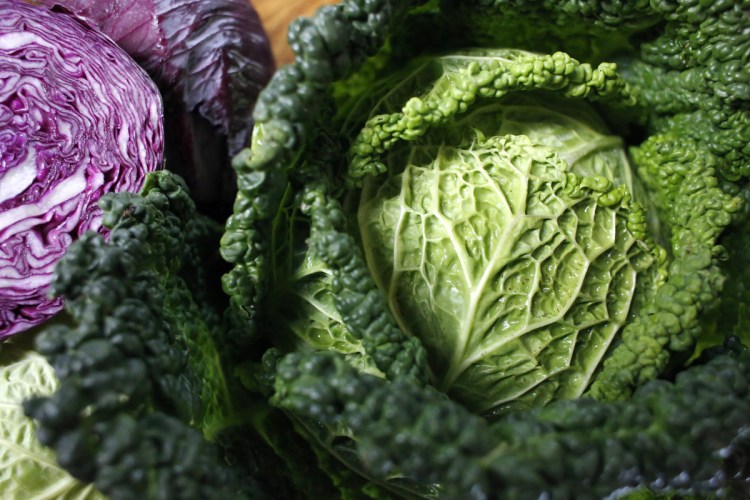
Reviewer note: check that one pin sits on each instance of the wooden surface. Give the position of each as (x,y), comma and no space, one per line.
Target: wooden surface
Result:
(276,16)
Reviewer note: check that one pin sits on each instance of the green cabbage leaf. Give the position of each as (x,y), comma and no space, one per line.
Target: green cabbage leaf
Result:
(29,469)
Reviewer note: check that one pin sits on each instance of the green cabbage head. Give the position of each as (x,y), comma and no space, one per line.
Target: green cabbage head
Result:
(508,238)
(487,212)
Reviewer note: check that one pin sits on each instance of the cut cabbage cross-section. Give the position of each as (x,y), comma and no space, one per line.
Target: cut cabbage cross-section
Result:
(78,118)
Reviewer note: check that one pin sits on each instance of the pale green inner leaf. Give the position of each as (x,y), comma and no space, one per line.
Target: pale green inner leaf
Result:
(28,469)
(516,286)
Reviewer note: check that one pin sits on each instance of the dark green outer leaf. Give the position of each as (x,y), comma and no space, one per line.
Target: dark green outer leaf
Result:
(140,380)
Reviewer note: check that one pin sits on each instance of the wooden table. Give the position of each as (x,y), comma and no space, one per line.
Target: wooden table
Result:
(276,16)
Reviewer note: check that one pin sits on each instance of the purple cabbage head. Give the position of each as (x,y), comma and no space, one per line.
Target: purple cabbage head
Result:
(78,118)
(210,58)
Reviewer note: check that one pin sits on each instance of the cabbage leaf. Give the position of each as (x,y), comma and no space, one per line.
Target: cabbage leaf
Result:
(28,469)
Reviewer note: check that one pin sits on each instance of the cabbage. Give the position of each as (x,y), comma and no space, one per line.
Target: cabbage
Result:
(78,118)
(210,58)
(508,242)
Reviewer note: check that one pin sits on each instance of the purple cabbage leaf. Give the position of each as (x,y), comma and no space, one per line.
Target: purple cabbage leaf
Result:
(78,119)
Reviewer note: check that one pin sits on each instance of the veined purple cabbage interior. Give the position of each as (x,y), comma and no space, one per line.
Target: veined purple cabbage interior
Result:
(78,118)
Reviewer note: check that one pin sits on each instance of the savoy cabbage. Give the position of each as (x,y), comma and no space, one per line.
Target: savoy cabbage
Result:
(517,204)
(510,240)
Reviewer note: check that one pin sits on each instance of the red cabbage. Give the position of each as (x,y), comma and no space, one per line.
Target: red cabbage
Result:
(78,118)
(210,58)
